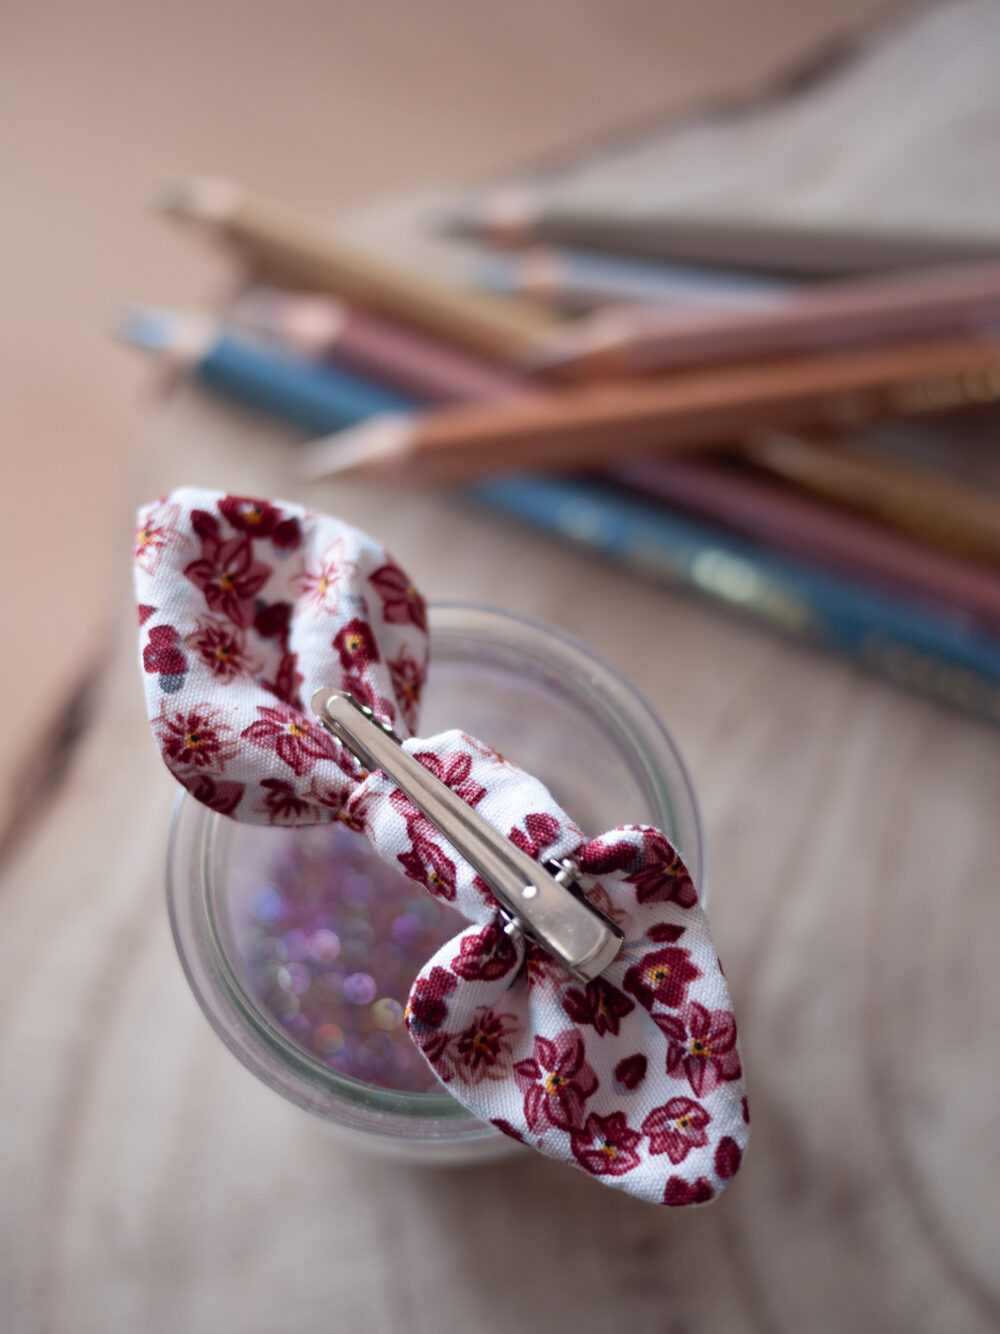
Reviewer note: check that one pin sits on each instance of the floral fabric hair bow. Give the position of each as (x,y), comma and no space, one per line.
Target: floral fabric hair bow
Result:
(245,608)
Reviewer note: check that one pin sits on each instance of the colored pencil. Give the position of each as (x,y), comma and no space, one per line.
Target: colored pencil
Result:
(940,511)
(303,393)
(321,327)
(293,249)
(786,249)
(960,444)
(938,654)
(578,280)
(595,426)
(782,520)
(847,313)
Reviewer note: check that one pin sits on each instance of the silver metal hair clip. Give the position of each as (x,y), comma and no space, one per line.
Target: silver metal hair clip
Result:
(542,898)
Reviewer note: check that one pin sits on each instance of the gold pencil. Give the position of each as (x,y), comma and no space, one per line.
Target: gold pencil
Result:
(295,250)
(939,511)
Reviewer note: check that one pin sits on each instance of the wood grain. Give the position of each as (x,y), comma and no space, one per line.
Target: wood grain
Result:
(150,1183)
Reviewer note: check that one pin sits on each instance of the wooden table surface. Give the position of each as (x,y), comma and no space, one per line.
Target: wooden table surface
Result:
(150,1183)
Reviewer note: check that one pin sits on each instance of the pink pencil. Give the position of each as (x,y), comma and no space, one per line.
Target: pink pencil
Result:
(320,327)
(795,524)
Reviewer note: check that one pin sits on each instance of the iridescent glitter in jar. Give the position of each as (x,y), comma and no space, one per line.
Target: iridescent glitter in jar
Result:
(301,944)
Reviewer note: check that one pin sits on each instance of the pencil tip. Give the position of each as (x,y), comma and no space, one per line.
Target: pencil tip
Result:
(147,326)
(202,199)
(505,216)
(379,440)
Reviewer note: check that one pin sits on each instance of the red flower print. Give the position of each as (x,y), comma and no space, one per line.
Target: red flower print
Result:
(540,967)
(417,824)
(427,1007)
(487,752)
(229,577)
(156,530)
(665,933)
(676,1128)
(216,794)
(598,1004)
(366,694)
(556,1082)
(206,525)
(323,584)
(485,956)
(271,621)
(603,902)
(355,645)
(222,648)
(701,1044)
(437,1047)
(679,1192)
(507,1128)
(606,1146)
(192,739)
(407,682)
(631,1071)
(427,864)
(282,803)
(598,857)
(329,797)
(542,829)
(483,1049)
(293,739)
(663,976)
(259,518)
(662,877)
(287,534)
(161,656)
(145,611)
(400,600)
(256,518)
(454,772)
(287,680)
(355,813)
(728,1156)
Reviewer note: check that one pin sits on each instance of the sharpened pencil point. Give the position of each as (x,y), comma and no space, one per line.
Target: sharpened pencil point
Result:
(381,440)
(180,335)
(201,200)
(147,326)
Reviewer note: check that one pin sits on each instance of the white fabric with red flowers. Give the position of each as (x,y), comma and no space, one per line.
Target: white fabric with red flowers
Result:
(245,608)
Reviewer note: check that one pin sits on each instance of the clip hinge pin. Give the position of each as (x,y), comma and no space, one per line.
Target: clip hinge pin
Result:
(543,900)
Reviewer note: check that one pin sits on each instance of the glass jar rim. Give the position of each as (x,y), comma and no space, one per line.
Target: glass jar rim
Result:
(250,1034)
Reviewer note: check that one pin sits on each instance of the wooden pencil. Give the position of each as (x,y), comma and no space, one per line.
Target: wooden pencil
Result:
(847,313)
(294,389)
(293,249)
(326,329)
(781,519)
(940,511)
(593,426)
(783,248)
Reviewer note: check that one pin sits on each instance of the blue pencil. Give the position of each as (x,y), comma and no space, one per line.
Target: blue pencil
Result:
(941,655)
(308,394)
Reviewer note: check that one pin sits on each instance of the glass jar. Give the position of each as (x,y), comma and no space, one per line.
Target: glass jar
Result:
(547,703)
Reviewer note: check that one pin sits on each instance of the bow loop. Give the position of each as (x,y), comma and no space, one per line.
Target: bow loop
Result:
(246,607)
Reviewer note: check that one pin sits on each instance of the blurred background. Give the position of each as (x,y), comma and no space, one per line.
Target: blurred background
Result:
(327,107)
(682,176)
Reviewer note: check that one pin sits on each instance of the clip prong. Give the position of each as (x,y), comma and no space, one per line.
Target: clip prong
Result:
(546,903)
